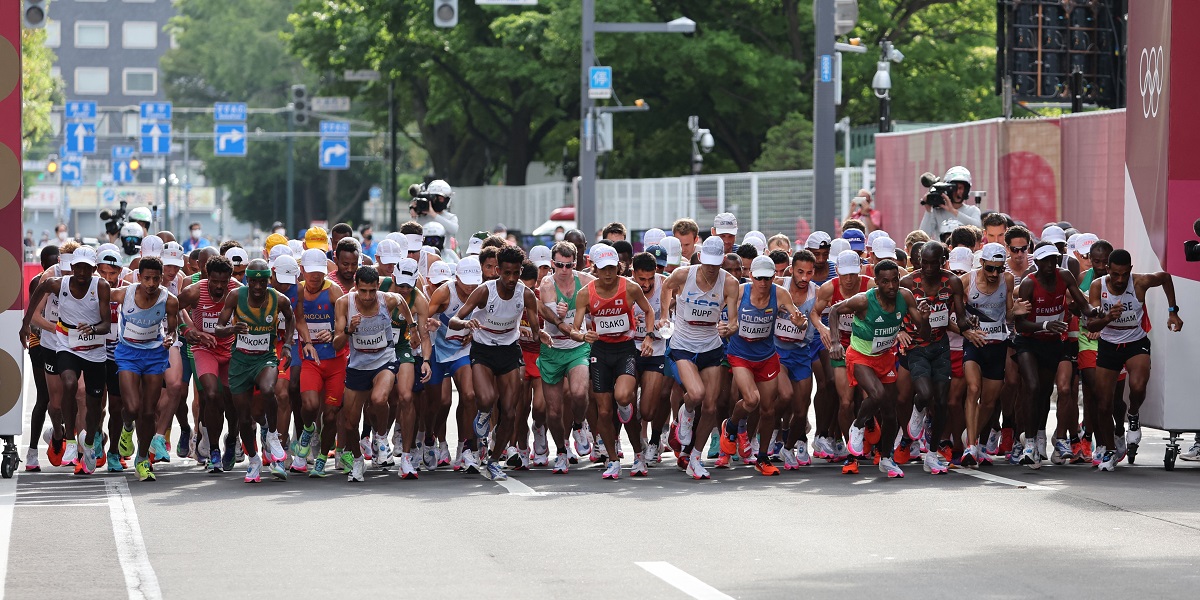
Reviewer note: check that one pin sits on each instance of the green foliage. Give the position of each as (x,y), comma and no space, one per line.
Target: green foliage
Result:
(39,89)
(788,146)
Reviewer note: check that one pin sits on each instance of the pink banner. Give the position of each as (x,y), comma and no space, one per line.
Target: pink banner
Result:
(1093,179)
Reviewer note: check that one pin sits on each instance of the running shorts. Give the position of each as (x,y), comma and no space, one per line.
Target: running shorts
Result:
(763,370)
(651,364)
(930,362)
(208,363)
(1048,353)
(991,358)
(609,361)
(244,369)
(554,364)
(531,368)
(363,380)
(498,359)
(956,364)
(1114,356)
(799,361)
(443,370)
(328,377)
(884,365)
(142,361)
(95,374)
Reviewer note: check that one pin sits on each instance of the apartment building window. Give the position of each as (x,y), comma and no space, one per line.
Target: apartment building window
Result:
(91,80)
(91,34)
(139,35)
(140,82)
(53,33)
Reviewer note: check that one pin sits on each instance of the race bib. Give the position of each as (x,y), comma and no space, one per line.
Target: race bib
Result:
(612,325)
(786,331)
(701,316)
(994,331)
(940,317)
(370,342)
(77,340)
(138,334)
(254,343)
(846,322)
(208,324)
(881,344)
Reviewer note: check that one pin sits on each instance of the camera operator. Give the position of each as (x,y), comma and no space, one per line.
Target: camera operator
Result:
(951,206)
(429,205)
(862,208)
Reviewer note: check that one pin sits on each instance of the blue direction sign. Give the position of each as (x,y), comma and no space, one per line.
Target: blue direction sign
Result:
(122,152)
(229,111)
(375,192)
(81,109)
(600,82)
(229,139)
(156,111)
(71,170)
(335,128)
(121,173)
(335,153)
(826,68)
(156,138)
(81,138)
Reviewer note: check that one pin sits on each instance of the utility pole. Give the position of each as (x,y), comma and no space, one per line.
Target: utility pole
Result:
(824,140)
(392,187)
(291,176)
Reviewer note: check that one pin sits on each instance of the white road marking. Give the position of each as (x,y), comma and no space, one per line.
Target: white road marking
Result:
(140,580)
(8,497)
(516,488)
(1006,481)
(682,581)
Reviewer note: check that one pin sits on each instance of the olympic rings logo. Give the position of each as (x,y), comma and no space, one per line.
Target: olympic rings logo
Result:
(1150,80)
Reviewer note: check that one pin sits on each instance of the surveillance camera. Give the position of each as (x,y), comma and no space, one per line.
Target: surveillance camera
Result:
(706,141)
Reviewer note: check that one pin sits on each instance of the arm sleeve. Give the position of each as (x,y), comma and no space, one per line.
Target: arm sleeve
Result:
(449,220)
(969,215)
(929,223)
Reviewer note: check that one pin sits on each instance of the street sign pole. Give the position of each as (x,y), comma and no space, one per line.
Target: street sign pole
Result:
(585,210)
(823,118)
(393,192)
(291,181)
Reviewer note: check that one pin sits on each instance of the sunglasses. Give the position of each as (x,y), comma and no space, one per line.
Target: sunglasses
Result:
(991,269)
(560,265)
(767,278)
(1019,249)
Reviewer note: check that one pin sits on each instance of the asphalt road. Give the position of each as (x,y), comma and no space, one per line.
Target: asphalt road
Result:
(1004,532)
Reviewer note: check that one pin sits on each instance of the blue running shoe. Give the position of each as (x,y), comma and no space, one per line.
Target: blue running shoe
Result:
(158,449)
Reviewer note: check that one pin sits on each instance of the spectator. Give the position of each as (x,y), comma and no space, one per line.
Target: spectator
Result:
(28,238)
(368,242)
(862,208)
(512,239)
(854,224)
(195,239)
(560,233)
(440,194)
(60,234)
(954,210)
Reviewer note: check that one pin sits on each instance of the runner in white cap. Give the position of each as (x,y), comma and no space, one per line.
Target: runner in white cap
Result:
(451,353)
(725,227)
(541,258)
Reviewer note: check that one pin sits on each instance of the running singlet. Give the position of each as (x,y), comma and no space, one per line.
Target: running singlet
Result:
(939,310)
(49,339)
(657,343)
(318,314)
(527,341)
(207,312)
(260,337)
(787,335)
(292,294)
(142,327)
(875,332)
(447,343)
(755,337)
(1127,328)
(561,340)
(73,312)
(697,313)
(1048,306)
(114,332)
(1085,285)
(994,307)
(500,319)
(846,321)
(612,317)
(371,343)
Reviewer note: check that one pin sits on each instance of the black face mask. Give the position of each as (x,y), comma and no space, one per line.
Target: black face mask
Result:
(438,204)
(367,237)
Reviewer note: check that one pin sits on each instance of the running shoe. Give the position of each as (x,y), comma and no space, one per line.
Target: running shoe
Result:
(872,433)
(1097,454)
(1076,451)
(540,447)
(142,466)
(470,463)
(993,442)
(652,456)
(1108,462)
(89,455)
(429,458)
(113,463)
(1041,445)
(982,457)
(1085,448)
(254,470)
(541,460)
(299,465)
(639,466)
(802,455)
(696,470)
(850,466)
(599,452)
(1193,453)
(946,451)
(788,458)
(889,467)
(722,461)
(239,451)
(968,457)
(215,465)
(916,424)
(55,452)
(840,451)
(495,472)
(482,423)
(158,449)
(443,455)
(184,449)
(356,470)
(821,448)
(714,448)
(902,454)
(561,465)
(406,467)
(1062,454)
(1121,449)
(687,420)
(277,470)
(1029,456)
(583,447)
(744,445)
(673,440)
(275,447)
(764,467)
(625,413)
(931,463)
(1006,442)
(346,461)
(125,442)
(70,454)
(856,440)
(318,470)
(382,451)
(727,444)
(512,457)
(1133,435)
(612,470)
(31,461)
(524,466)
(303,445)
(229,457)
(365,449)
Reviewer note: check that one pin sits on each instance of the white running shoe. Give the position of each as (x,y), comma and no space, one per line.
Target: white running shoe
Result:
(1030,456)
(856,441)
(888,467)
(823,448)
(299,464)
(470,464)
(598,450)
(443,454)
(840,452)
(932,463)
(639,466)
(89,454)
(625,413)
(993,442)
(802,457)
(278,454)
(583,446)
(356,471)
(254,470)
(70,451)
(1062,452)
(429,458)
(612,470)
(687,420)
(1193,454)
(1134,434)
(540,447)
(495,472)
(561,465)
(788,458)
(512,457)
(916,424)
(364,446)
(540,460)
(1108,462)
(482,424)
(406,467)
(1041,444)
(31,460)
(1121,448)
(650,452)
(383,451)
(695,468)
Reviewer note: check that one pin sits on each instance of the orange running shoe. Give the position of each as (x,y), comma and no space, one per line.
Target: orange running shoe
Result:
(875,456)
(743,443)
(873,432)
(54,452)
(902,454)
(722,461)
(766,468)
(947,452)
(727,445)
(850,467)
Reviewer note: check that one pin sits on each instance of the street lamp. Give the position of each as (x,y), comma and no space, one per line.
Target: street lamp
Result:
(882,82)
(702,140)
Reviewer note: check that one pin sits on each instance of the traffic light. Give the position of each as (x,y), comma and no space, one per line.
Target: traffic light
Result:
(52,164)
(300,104)
(34,15)
(445,13)
(135,163)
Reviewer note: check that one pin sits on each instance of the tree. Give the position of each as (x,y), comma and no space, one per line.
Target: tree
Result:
(39,89)
(788,145)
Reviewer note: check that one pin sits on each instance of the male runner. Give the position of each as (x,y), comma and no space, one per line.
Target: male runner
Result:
(799,350)
(651,369)
(451,355)
(407,320)
(323,376)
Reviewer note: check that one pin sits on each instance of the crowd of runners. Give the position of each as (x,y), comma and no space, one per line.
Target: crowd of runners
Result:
(704,349)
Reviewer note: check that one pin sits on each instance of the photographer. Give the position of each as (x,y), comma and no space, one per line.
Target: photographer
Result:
(430,205)
(947,203)
(862,208)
